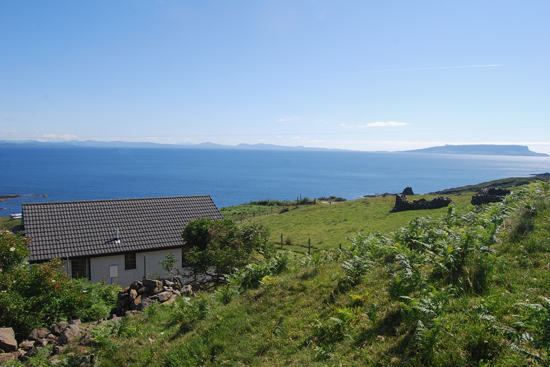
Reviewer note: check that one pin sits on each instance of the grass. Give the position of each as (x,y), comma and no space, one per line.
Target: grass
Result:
(328,225)
(303,316)
(507,183)
(9,225)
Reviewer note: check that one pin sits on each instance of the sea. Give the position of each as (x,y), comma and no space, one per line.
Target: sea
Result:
(231,176)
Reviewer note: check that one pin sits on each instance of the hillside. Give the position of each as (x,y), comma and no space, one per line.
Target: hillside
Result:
(467,289)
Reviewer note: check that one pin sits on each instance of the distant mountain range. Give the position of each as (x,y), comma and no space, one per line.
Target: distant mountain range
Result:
(485,149)
(482,149)
(124,144)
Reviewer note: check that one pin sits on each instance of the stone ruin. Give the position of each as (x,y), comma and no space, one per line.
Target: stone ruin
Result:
(132,300)
(402,204)
(489,195)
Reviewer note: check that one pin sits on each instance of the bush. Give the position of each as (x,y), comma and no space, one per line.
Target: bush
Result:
(218,247)
(36,295)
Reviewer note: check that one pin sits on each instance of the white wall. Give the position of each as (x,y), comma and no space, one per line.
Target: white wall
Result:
(100,267)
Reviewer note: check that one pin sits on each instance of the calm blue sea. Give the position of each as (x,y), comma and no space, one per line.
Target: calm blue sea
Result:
(237,176)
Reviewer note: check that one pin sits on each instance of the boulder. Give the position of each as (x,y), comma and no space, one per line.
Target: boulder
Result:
(186,290)
(38,334)
(27,344)
(152,286)
(164,296)
(145,302)
(58,328)
(7,340)
(71,332)
(489,195)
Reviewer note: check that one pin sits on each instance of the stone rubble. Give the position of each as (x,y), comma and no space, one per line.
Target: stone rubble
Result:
(131,301)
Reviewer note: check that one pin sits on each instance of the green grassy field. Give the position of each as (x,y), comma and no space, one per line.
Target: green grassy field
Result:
(329,225)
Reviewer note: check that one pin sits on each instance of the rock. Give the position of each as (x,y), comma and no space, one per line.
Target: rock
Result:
(145,302)
(176,292)
(142,290)
(167,283)
(13,356)
(115,318)
(137,301)
(75,322)
(171,300)
(402,204)
(57,350)
(489,195)
(133,294)
(71,333)
(408,191)
(187,290)
(27,344)
(153,286)
(7,340)
(58,328)
(37,334)
(164,296)
(86,339)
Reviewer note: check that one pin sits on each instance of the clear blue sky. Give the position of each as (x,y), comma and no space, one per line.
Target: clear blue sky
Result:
(364,75)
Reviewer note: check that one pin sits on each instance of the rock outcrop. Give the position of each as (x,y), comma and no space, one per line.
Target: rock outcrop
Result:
(489,195)
(402,204)
(408,191)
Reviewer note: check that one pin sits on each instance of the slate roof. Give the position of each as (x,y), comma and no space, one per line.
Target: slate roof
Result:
(88,228)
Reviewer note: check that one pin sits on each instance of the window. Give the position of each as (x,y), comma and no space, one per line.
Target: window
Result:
(80,268)
(184,262)
(130,261)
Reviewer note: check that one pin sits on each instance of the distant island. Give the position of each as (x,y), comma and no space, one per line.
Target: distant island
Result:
(481,149)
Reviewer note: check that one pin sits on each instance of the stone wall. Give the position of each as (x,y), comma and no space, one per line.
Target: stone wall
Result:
(402,204)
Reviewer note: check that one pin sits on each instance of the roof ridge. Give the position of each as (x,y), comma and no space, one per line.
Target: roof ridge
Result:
(120,199)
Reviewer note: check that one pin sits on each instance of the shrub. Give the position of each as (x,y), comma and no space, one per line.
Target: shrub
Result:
(217,247)
(36,295)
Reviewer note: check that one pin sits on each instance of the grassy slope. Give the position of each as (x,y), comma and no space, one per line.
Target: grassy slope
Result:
(503,183)
(278,323)
(284,321)
(329,225)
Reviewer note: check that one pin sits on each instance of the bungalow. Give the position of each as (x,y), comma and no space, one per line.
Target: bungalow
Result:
(114,241)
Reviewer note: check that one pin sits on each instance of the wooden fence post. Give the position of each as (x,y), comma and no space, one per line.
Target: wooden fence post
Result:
(308,246)
(340,246)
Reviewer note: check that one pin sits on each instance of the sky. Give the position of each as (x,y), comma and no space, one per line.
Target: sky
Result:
(361,75)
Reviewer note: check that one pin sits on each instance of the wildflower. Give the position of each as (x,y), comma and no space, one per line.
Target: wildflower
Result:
(12,249)
(53,280)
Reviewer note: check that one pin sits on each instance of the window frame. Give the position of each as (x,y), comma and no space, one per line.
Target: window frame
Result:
(130,261)
(81,268)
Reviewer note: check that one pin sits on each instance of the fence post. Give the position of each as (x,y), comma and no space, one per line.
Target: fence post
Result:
(308,246)
(340,246)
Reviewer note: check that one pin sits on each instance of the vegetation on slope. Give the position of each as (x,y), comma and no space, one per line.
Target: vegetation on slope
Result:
(38,295)
(326,225)
(465,289)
